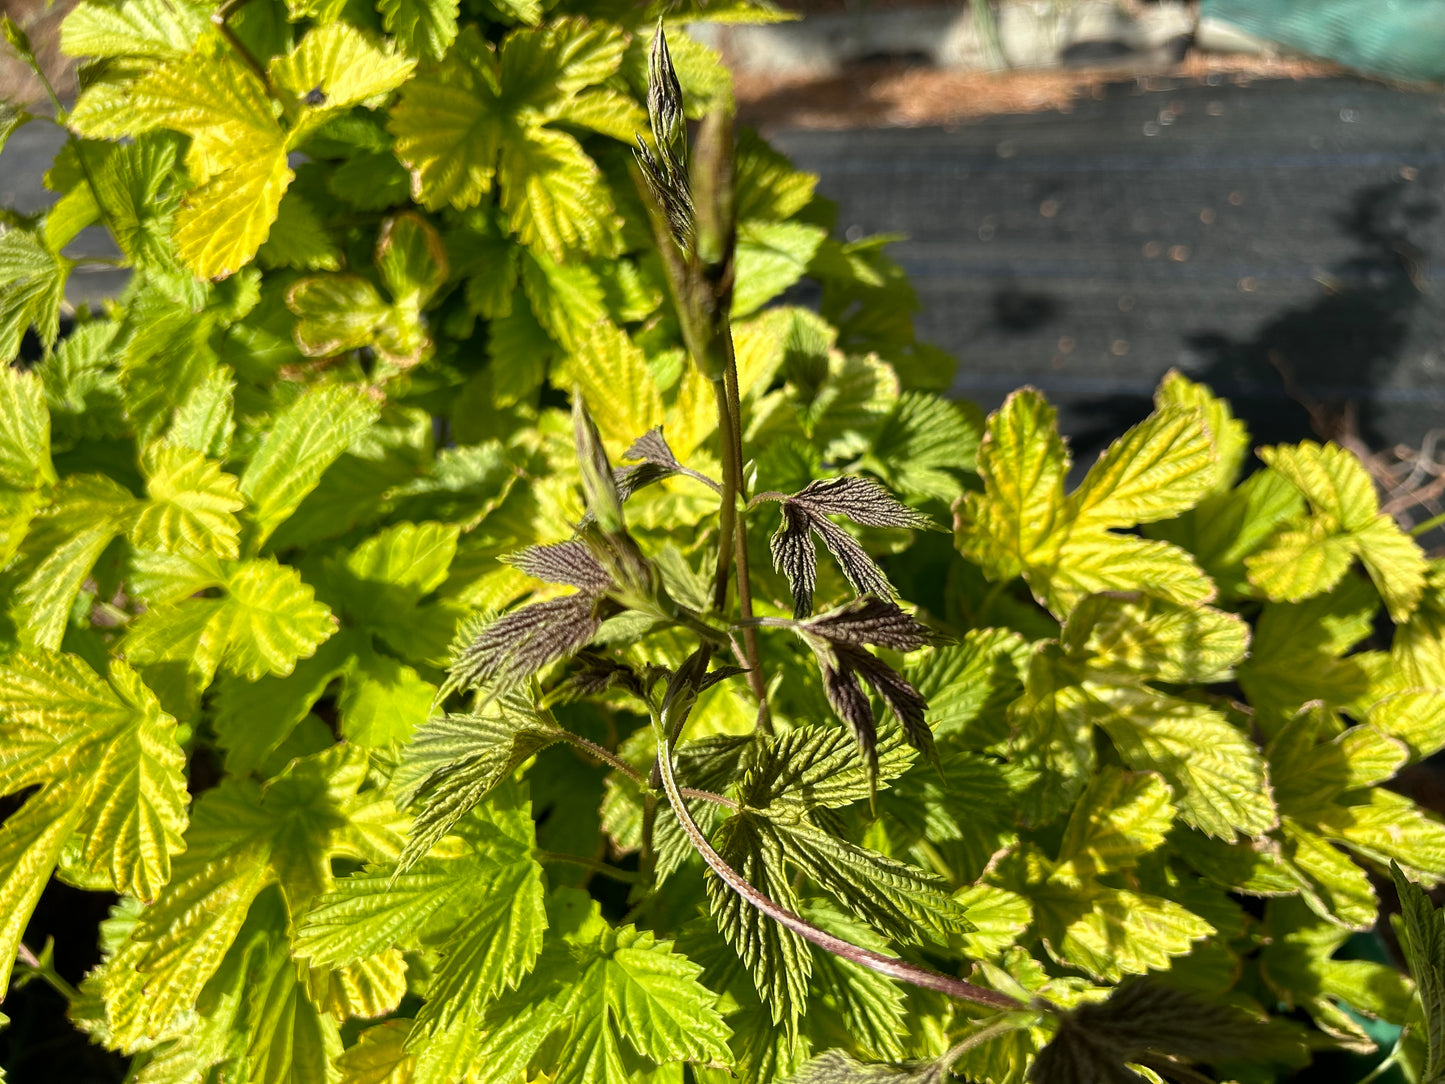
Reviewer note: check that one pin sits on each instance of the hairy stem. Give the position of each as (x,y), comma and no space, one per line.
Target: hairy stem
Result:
(745,590)
(728,513)
(596,751)
(708,796)
(592,749)
(890,966)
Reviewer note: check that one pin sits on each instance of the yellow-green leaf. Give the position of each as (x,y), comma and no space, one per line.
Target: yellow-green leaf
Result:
(1216,770)
(1120,817)
(1299,564)
(1331,478)
(305,438)
(25,467)
(1395,562)
(30,845)
(1231,439)
(615,382)
(1022,462)
(32,286)
(1139,635)
(448,126)
(423,28)
(223,223)
(379,1056)
(135,810)
(340,62)
(1110,933)
(192,504)
(1309,557)
(1052,726)
(106,757)
(237,153)
(603,110)
(335,313)
(269,619)
(88,512)
(554,193)
(1159,468)
(154,29)
(1415,716)
(412,260)
(553,62)
(1091,561)
(384,702)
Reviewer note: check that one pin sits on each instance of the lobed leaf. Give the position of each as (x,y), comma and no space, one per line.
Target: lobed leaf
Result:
(338,61)
(305,438)
(191,507)
(454,761)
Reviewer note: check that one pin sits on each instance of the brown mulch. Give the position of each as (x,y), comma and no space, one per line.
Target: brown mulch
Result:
(894,95)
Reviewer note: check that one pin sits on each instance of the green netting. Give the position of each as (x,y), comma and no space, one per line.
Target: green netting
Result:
(1403,39)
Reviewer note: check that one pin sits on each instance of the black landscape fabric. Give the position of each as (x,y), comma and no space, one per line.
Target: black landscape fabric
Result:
(1228,230)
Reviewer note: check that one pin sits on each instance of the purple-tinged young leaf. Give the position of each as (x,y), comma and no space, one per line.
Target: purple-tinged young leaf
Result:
(664,165)
(795,556)
(862,500)
(603,501)
(596,674)
(652,448)
(570,562)
(664,99)
(518,644)
(658,462)
(851,703)
(839,1067)
(870,620)
(902,699)
(639,476)
(722,673)
(862,571)
(842,665)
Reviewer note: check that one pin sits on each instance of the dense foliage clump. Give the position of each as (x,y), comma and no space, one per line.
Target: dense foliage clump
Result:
(426,730)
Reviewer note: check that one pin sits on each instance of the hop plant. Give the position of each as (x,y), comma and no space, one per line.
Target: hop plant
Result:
(425,732)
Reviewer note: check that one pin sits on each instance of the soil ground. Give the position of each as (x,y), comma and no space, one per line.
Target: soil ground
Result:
(901,95)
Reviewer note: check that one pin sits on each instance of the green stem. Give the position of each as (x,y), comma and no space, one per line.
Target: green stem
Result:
(48,974)
(626,875)
(81,157)
(978,1038)
(1429,525)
